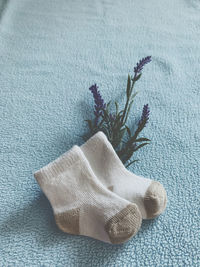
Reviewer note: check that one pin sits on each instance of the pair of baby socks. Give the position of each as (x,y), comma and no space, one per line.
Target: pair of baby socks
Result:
(93,194)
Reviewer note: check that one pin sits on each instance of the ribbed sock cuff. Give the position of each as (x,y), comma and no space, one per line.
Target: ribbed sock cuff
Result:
(99,140)
(58,166)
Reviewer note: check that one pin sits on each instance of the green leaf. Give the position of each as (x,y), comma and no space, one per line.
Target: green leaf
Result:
(120,112)
(142,139)
(128,110)
(133,161)
(128,89)
(139,129)
(138,147)
(117,108)
(101,122)
(138,77)
(122,131)
(126,153)
(90,124)
(108,104)
(105,114)
(128,130)
(134,95)
(129,107)
(105,130)
(84,137)
(118,137)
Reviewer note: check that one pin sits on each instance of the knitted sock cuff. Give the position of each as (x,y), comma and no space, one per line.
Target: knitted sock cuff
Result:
(99,139)
(58,166)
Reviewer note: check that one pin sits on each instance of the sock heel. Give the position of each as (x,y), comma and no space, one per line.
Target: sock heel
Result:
(68,221)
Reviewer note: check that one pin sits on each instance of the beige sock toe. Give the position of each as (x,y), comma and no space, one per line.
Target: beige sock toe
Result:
(155,200)
(124,224)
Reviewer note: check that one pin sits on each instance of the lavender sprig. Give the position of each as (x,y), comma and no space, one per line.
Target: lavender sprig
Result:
(145,115)
(124,140)
(99,103)
(141,64)
(130,85)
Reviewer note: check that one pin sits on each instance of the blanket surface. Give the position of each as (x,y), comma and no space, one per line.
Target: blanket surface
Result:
(51,52)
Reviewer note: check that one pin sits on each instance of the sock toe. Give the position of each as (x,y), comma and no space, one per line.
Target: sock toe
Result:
(155,200)
(124,224)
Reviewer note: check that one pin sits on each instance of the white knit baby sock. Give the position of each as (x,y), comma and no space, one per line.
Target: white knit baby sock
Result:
(82,205)
(150,196)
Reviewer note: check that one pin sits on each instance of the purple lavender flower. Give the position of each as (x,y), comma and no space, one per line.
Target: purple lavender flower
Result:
(141,64)
(99,102)
(145,114)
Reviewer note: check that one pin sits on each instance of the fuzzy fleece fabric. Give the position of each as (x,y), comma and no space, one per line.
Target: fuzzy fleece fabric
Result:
(50,53)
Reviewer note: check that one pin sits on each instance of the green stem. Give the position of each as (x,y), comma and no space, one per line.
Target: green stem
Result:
(127,101)
(100,124)
(125,110)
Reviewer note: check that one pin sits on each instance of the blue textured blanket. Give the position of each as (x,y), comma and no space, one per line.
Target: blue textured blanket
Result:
(50,53)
